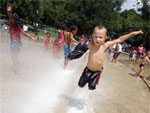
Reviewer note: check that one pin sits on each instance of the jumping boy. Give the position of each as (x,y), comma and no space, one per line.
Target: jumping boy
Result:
(15,36)
(97,47)
(69,39)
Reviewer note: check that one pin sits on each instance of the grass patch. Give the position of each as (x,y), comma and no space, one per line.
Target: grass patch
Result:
(53,31)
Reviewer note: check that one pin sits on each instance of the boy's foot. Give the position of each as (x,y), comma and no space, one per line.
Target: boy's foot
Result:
(138,77)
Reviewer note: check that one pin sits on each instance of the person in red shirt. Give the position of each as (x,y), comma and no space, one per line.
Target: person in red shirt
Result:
(61,37)
(55,48)
(58,45)
(15,37)
(82,39)
(60,40)
(47,40)
(61,34)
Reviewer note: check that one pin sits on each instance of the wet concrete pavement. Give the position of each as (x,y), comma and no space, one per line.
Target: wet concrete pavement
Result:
(42,86)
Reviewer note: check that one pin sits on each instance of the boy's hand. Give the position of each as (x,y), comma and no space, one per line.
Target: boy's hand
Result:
(9,8)
(138,32)
(33,38)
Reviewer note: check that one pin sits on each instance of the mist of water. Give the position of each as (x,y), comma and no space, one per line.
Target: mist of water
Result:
(42,85)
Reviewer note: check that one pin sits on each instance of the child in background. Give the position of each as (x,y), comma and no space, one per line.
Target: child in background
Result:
(82,39)
(115,53)
(69,39)
(58,46)
(133,57)
(47,40)
(146,60)
(36,37)
(139,53)
(109,51)
(55,48)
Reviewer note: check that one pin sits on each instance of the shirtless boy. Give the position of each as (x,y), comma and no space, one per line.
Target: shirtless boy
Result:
(68,43)
(97,47)
(146,60)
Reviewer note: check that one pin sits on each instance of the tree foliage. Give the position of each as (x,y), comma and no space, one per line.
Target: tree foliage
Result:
(85,14)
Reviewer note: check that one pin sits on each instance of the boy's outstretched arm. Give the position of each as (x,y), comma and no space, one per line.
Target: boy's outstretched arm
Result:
(27,35)
(9,12)
(12,20)
(79,50)
(72,38)
(123,38)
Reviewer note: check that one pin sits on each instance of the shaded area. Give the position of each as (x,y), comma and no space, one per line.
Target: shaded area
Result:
(135,69)
(74,102)
(143,79)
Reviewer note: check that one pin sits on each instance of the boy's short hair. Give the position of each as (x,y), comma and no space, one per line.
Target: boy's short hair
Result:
(73,28)
(100,27)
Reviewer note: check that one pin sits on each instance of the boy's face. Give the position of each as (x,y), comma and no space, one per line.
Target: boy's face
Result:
(99,37)
(48,34)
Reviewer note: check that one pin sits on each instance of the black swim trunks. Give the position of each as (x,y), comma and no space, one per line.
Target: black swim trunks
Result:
(116,55)
(141,65)
(89,77)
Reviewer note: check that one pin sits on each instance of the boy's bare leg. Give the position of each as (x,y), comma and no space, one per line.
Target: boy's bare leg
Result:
(113,60)
(130,61)
(138,59)
(133,61)
(139,73)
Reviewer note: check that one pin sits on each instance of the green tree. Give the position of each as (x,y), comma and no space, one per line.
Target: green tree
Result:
(28,10)
(145,9)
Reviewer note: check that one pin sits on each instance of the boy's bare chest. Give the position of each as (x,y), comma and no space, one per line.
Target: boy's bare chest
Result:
(97,53)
